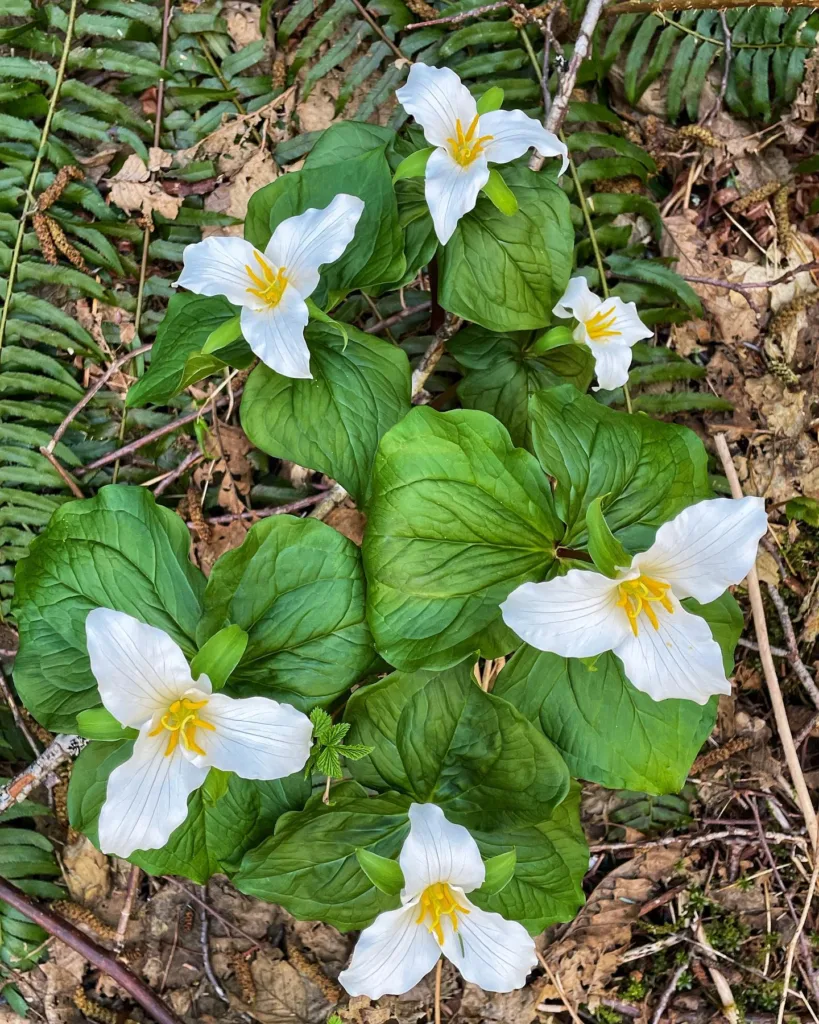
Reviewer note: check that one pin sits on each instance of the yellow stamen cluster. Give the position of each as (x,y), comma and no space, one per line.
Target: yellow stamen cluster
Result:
(439,901)
(269,286)
(181,721)
(466,148)
(599,326)
(637,596)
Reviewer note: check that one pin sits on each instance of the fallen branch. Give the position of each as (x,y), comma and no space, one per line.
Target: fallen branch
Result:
(99,957)
(742,835)
(204,943)
(396,318)
(748,286)
(565,87)
(475,12)
(61,750)
(641,6)
(769,669)
(792,653)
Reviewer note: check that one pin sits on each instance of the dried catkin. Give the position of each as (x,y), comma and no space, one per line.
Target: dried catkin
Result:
(278,75)
(82,915)
(188,917)
(424,10)
(734,746)
(71,253)
(96,1011)
(244,976)
(780,206)
(307,969)
(699,133)
(41,229)
(50,195)
(756,196)
(197,517)
(785,316)
(628,185)
(780,369)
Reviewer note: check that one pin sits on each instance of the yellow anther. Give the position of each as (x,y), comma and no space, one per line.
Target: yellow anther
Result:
(637,596)
(270,286)
(599,326)
(465,147)
(439,901)
(181,721)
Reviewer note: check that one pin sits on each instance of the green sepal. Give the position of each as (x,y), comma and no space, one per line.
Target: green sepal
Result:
(499,872)
(414,165)
(215,786)
(100,724)
(220,655)
(500,195)
(608,554)
(557,337)
(385,874)
(224,335)
(325,318)
(491,100)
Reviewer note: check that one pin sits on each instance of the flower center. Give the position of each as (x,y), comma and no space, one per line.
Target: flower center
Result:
(438,901)
(640,595)
(268,286)
(181,721)
(599,326)
(466,148)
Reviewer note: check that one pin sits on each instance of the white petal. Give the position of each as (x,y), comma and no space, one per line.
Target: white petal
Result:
(217,266)
(626,326)
(611,364)
(575,615)
(436,850)
(254,737)
(277,335)
(391,956)
(707,547)
(679,659)
(513,132)
(303,243)
(490,951)
(147,797)
(578,300)
(139,669)
(452,190)
(437,98)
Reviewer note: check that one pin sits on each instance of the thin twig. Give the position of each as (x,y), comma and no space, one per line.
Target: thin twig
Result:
(29,202)
(727,57)
(19,721)
(806,730)
(64,475)
(792,653)
(190,460)
(209,909)
(748,286)
(204,942)
(475,12)
(771,678)
(438,972)
(800,927)
(432,356)
(565,87)
(365,14)
(86,947)
(384,325)
(640,6)
(752,645)
(276,510)
(700,840)
(89,394)
(127,908)
(670,989)
(62,749)
(558,984)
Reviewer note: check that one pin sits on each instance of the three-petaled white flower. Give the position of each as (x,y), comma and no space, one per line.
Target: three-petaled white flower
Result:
(271,286)
(666,651)
(608,326)
(184,730)
(441,862)
(466,140)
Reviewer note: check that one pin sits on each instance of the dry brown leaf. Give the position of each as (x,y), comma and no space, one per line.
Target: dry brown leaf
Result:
(587,956)
(63,971)
(242,22)
(134,169)
(147,198)
(349,521)
(318,111)
(158,159)
(516,1007)
(233,196)
(87,872)
(283,996)
(787,413)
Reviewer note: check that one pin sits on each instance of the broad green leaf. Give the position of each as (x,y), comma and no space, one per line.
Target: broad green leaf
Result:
(332,423)
(442,740)
(220,655)
(499,871)
(414,165)
(348,157)
(223,821)
(100,724)
(500,195)
(557,337)
(650,470)
(608,554)
(296,587)
(608,731)
(310,865)
(189,322)
(551,859)
(506,273)
(501,373)
(118,550)
(654,273)
(385,873)
(420,240)
(458,518)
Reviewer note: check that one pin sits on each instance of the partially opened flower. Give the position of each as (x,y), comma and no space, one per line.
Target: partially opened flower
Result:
(466,141)
(271,286)
(441,862)
(666,651)
(608,326)
(184,730)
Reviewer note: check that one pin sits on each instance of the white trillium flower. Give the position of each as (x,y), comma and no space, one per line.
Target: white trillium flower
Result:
(184,730)
(467,141)
(608,326)
(665,650)
(271,286)
(441,862)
